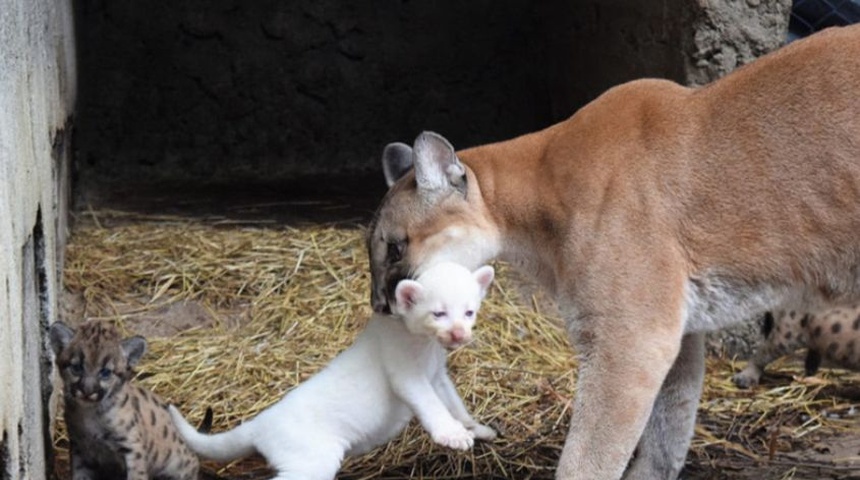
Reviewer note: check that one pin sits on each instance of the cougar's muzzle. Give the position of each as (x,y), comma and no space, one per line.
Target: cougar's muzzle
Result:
(383,286)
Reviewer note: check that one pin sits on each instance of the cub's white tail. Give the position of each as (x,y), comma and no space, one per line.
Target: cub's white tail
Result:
(223,447)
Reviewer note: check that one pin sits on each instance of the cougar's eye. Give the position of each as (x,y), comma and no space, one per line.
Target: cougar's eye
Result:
(76,369)
(395,251)
(105,373)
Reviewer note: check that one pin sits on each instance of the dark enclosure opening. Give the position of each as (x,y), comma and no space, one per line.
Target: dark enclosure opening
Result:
(203,103)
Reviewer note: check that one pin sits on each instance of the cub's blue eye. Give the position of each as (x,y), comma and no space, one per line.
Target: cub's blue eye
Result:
(438,314)
(470,313)
(76,369)
(104,373)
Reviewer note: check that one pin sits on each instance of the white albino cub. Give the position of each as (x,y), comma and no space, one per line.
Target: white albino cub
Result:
(366,396)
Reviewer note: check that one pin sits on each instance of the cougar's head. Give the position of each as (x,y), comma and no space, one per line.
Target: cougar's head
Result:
(432,212)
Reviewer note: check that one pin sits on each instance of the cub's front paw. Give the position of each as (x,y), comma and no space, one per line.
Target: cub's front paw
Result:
(455,436)
(746,378)
(482,432)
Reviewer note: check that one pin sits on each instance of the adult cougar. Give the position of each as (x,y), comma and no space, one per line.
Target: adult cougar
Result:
(654,214)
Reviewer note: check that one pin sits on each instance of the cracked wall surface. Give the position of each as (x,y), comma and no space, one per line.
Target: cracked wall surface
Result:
(37,94)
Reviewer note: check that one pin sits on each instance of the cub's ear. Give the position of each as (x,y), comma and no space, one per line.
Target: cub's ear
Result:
(60,335)
(407,294)
(484,276)
(437,167)
(396,161)
(134,348)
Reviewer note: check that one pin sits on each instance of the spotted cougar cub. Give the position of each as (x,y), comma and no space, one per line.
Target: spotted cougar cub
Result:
(366,396)
(116,429)
(831,336)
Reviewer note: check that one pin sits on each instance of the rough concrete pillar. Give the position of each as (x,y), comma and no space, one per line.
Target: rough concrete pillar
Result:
(37,93)
(725,34)
(596,44)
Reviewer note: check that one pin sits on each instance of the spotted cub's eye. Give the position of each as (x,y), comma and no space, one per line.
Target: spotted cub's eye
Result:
(439,314)
(470,313)
(394,252)
(105,373)
(76,369)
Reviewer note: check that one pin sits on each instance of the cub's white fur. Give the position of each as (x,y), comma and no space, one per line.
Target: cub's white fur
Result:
(366,396)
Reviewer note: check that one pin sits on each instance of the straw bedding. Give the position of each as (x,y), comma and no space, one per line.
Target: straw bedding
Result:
(278,302)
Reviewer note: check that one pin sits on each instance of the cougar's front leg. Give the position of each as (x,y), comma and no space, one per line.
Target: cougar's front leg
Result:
(664,444)
(626,353)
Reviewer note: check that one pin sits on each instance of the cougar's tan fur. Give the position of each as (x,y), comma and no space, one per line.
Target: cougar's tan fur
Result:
(654,214)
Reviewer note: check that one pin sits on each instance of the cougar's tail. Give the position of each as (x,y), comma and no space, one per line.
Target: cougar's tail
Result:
(223,447)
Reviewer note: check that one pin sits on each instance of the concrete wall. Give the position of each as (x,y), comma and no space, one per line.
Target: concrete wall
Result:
(37,93)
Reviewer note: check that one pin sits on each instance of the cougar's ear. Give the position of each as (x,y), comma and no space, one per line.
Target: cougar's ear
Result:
(484,276)
(60,335)
(134,348)
(437,167)
(407,294)
(396,161)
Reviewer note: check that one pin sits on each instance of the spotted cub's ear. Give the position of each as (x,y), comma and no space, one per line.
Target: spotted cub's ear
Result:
(396,161)
(60,335)
(437,168)
(133,348)
(407,294)
(484,276)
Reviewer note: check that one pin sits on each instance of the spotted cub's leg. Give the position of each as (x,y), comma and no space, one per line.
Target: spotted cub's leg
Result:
(136,464)
(782,335)
(81,471)
(812,362)
(133,450)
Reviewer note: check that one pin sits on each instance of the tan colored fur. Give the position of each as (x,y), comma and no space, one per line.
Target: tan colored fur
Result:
(116,429)
(655,213)
(831,335)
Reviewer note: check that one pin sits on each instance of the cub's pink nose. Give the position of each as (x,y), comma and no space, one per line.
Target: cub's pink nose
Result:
(459,335)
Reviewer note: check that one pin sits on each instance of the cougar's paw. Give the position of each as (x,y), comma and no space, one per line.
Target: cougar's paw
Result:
(455,436)
(745,379)
(482,432)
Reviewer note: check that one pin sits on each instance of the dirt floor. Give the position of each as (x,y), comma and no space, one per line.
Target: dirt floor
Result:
(735,437)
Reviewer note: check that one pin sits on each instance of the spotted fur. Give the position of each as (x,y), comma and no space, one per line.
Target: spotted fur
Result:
(831,336)
(116,429)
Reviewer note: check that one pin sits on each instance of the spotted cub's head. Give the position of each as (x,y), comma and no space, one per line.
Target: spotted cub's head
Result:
(432,212)
(443,302)
(94,361)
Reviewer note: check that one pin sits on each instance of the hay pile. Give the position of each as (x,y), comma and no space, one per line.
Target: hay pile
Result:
(281,302)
